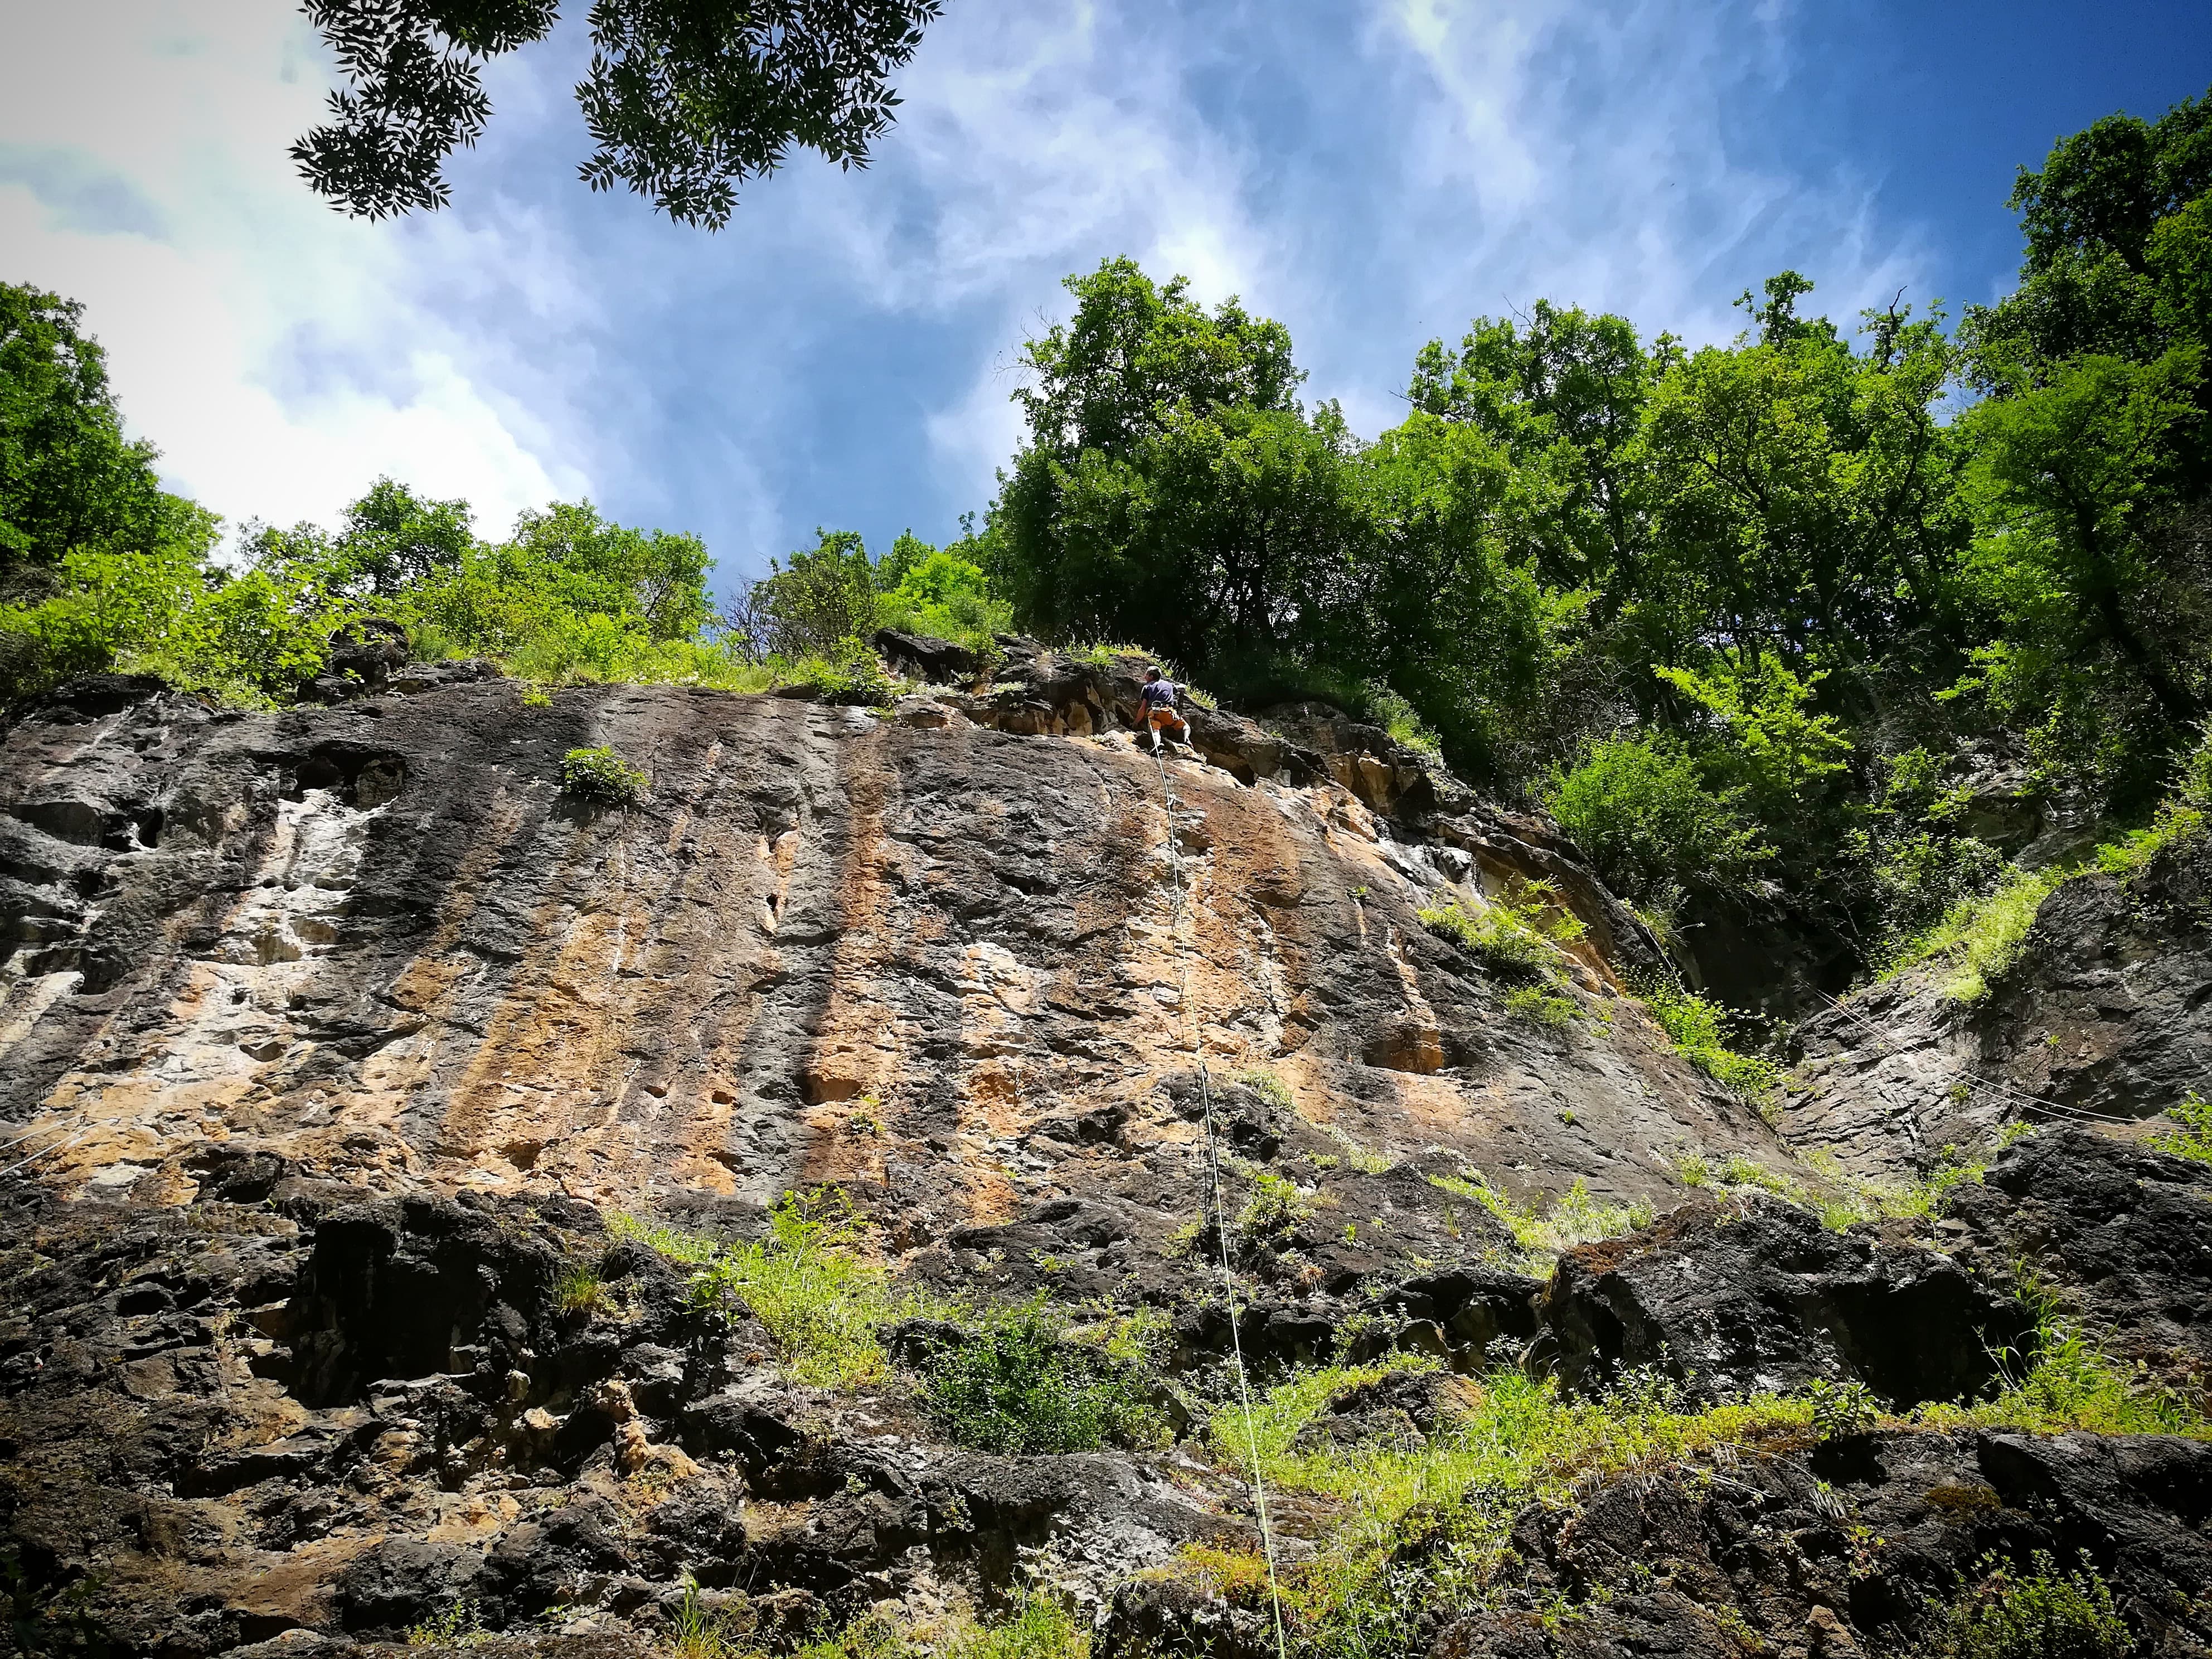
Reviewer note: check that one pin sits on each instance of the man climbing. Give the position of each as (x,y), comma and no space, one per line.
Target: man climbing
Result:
(1156,718)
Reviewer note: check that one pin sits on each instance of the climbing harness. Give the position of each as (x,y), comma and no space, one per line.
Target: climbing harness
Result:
(1220,1212)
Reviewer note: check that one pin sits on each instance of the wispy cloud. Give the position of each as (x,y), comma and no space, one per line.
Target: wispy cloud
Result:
(841,354)
(280,355)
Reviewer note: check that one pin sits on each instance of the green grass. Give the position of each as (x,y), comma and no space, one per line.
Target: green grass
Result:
(1019,1385)
(1037,1624)
(1544,1231)
(1980,938)
(2041,1612)
(1696,1026)
(1536,1006)
(602,776)
(1516,940)
(579,1291)
(803,1280)
(1427,1526)
(2192,1135)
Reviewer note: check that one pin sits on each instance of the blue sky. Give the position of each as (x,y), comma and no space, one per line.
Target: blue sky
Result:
(1372,173)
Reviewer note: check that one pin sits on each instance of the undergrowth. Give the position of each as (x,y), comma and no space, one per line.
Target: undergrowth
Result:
(1517,938)
(1427,1526)
(1037,1624)
(1978,938)
(1544,1231)
(1016,1384)
(2004,1612)
(1697,1026)
(803,1280)
(2192,1135)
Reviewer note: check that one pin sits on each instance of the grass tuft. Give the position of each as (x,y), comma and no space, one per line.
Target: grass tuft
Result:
(803,1280)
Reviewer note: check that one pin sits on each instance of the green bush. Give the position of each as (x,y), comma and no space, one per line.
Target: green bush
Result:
(1016,1384)
(2193,1136)
(1697,1026)
(602,776)
(804,1280)
(1639,806)
(1539,1007)
(2040,1614)
(1515,940)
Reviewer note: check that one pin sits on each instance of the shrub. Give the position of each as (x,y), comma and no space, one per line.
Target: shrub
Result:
(602,776)
(802,1280)
(2041,1613)
(1515,940)
(1017,1385)
(850,674)
(2193,1138)
(1640,807)
(1695,1025)
(1841,1408)
(1539,1007)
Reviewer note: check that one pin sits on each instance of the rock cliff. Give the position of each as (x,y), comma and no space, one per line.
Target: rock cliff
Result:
(348,1067)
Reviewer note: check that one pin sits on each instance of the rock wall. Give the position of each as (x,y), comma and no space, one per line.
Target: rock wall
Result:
(2106,1015)
(830,947)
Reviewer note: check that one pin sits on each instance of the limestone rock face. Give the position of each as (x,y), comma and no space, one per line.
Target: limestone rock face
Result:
(2106,1015)
(340,1052)
(829,947)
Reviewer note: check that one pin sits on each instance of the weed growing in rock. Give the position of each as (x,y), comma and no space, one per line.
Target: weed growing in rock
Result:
(580,1290)
(803,1281)
(1513,940)
(1269,1087)
(2040,1614)
(602,776)
(1427,1524)
(1016,1384)
(1841,1408)
(1696,1026)
(1273,1210)
(460,1626)
(691,1250)
(2193,1139)
(1536,1006)
(1039,1625)
(1544,1231)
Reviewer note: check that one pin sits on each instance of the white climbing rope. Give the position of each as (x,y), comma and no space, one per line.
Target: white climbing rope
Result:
(1220,1213)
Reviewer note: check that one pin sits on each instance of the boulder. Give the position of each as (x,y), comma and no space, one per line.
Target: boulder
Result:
(1759,1295)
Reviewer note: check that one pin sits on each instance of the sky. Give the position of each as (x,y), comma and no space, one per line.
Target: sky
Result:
(1373,172)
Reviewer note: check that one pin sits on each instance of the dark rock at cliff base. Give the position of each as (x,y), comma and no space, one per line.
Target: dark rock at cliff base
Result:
(1854,1546)
(1761,1296)
(2119,1234)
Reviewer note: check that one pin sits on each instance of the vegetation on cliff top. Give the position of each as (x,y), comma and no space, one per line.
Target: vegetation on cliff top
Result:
(1786,626)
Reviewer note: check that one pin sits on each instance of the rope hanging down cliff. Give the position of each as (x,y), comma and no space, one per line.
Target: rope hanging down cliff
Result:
(1221,1210)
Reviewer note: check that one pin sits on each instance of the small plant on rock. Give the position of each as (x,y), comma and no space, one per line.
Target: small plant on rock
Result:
(580,1290)
(1016,1384)
(2040,1614)
(1841,1408)
(602,776)
(1536,1006)
(2193,1138)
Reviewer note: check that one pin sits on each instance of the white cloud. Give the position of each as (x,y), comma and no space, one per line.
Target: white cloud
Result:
(279,355)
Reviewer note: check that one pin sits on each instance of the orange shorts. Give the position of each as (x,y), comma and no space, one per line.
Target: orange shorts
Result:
(1163,719)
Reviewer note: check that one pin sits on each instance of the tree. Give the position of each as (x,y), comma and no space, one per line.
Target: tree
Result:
(812,600)
(686,99)
(68,478)
(2091,216)
(394,539)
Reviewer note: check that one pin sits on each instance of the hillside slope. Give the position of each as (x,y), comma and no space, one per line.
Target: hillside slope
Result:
(391,1128)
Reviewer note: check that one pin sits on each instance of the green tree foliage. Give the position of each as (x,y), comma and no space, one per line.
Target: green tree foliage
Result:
(68,478)
(685,99)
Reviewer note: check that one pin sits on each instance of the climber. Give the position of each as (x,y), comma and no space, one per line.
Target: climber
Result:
(1157,719)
